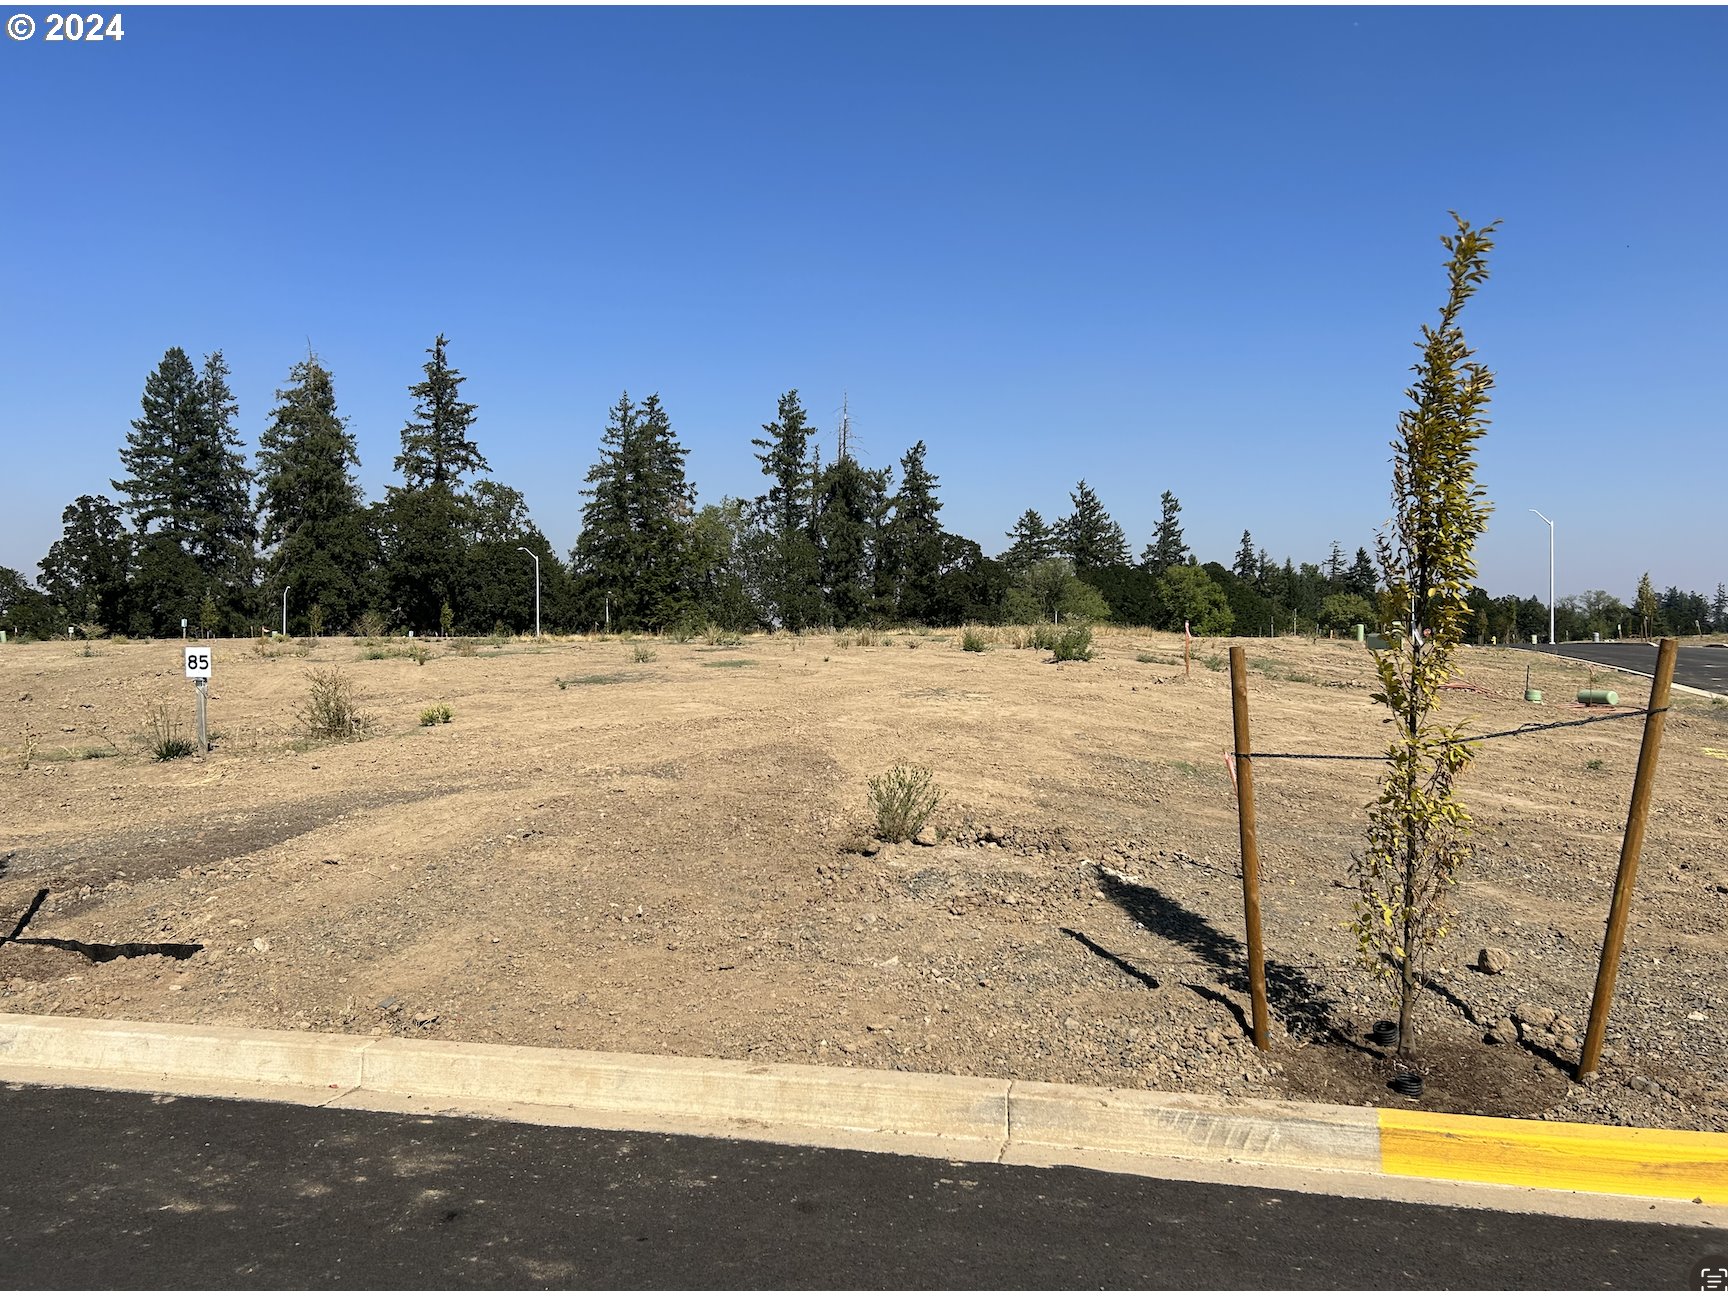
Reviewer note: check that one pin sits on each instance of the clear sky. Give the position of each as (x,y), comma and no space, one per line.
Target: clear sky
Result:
(1180,249)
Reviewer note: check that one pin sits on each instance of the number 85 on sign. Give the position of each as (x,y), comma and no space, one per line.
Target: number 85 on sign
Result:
(197,663)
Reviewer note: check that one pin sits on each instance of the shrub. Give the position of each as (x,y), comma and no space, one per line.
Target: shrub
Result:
(369,625)
(331,710)
(1145,659)
(435,715)
(1073,644)
(419,652)
(641,653)
(971,639)
(719,637)
(463,647)
(903,800)
(164,736)
(869,637)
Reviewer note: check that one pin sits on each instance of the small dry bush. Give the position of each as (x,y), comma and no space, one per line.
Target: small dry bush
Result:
(463,647)
(369,625)
(641,653)
(419,652)
(435,715)
(164,735)
(719,637)
(903,800)
(869,637)
(1073,644)
(331,710)
(972,639)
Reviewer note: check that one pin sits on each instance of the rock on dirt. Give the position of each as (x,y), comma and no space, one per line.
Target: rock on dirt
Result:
(1493,960)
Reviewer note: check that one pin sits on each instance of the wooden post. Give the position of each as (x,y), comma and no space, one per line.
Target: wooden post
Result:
(1187,639)
(1630,848)
(1250,845)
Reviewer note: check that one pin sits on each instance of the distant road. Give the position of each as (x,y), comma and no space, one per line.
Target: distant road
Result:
(106,1190)
(1700,668)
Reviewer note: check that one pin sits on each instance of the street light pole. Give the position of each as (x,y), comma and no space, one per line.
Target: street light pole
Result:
(1550,522)
(536,558)
(285,590)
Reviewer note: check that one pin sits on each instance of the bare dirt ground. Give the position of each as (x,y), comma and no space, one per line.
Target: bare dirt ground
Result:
(663,857)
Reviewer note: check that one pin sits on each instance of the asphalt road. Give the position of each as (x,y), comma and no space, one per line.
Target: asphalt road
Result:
(107,1190)
(1700,668)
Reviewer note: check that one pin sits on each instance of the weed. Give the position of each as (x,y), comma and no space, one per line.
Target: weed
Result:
(32,740)
(842,641)
(971,639)
(1145,659)
(719,637)
(1186,767)
(419,652)
(378,652)
(903,800)
(590,679)
(910,643)
(1074,644)
(331,710)
(165,737)
(1213,662)
(463,647)
(435,715)
(641,653)
(731,661)
(1595,764)
(869,637)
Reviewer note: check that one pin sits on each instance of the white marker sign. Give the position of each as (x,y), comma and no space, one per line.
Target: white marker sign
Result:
(197,663)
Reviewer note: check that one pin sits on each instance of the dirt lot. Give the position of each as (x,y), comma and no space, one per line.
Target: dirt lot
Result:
(663,856)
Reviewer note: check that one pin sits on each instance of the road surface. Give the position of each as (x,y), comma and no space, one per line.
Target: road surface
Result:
(1700,668)
(107,1190)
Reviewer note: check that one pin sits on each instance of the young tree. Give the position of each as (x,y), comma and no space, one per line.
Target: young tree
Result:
(1051,591)
(1167,549)
(1088,537)
(1033,542)
(1246,568)
(87,569)
(312,515)
(1417,829)
(791,579)
(1645,607)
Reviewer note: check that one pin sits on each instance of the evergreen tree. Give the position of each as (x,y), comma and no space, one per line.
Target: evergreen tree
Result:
(188,490)
(1361,580)
(1335,563)
(1719,608)
(1167,549)
(1033,542)
(634,544)
(1246,568)
(1088,537)
(312,515)
(436,447)
(915,539)
(791,579)
(27,612)
(87,569)
(849,514)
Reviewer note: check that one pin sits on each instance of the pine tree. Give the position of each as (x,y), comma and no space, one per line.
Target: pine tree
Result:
(791,579)
(849,512)
(312,515)
(915,538)
(436,447)
(1361,579)
(1088,537)
(188,490)
(1719,608)
(1033,542)
(1167,549)
(1335,563)
(87,569)
(1246,568)
(634,544)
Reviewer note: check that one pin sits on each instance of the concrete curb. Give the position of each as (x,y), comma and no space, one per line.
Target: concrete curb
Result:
(966,1117)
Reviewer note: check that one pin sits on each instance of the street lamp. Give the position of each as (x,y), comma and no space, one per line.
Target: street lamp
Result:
(285,590)
(1550,522)
(536,558)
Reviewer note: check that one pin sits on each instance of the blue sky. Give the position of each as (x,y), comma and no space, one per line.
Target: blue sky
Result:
(1156,249)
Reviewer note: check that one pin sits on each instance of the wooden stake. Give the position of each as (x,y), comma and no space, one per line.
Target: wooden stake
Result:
(1630,848)
(1250,845)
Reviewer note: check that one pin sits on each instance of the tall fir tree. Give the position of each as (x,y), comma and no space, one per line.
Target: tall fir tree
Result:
(312,514)
(425,521)
(634,548)
(1719,608)
(189,494)
(436,446)
(1335,563)
(1167,549)
(915,539)
(849,514)
(1362,579)
(1033,542)
(1246,568)
(1088,537)
(786,512)
(87,570)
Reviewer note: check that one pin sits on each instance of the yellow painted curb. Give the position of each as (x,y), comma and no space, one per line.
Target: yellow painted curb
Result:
(1553,1154)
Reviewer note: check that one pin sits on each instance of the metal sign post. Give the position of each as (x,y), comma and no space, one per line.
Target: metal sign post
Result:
(198,671)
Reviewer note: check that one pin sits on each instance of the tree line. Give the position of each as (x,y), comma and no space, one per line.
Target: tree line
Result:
(194,533)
